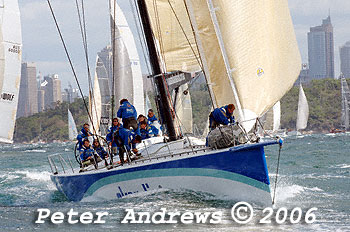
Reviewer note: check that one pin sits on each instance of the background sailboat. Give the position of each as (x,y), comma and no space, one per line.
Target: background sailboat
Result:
(72,128)
(345,93)
(10,66)
(303,110)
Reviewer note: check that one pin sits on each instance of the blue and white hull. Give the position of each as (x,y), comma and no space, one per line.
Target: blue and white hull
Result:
(238,173)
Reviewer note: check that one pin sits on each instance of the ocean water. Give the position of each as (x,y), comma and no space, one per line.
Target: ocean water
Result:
(314,172)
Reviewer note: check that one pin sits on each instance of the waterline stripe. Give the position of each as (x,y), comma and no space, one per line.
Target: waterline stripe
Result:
(176,172)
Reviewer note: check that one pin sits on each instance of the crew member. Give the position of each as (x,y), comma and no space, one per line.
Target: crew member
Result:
(110,135)
(87,152)
(83,134)
(126,140)
(99,149)
(128,114)
(221,116)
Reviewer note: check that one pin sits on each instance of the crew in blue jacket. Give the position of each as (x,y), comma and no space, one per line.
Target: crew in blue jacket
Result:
(145,131)
(99,149)
(221,116)
(151,117)
(128,114)
(152,121)
(87,151)
(83,134)
(126,140)
(110,135)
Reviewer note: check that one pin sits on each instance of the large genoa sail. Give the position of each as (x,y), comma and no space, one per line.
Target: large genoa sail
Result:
(252,70)
(303,110)
(127,71)
(345,93)
(72,128)
(10,66)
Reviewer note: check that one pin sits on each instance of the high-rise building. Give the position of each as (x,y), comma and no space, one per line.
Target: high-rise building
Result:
(345,59)
(52,90)
(321,50)
(70,94)
(28,96)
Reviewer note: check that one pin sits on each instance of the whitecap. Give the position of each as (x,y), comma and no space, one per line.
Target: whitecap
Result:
(35,175)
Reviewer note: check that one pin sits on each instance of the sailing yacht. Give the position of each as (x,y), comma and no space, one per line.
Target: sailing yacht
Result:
(241,57)
(345,102)
(72,128)
(302,114)
(10,67)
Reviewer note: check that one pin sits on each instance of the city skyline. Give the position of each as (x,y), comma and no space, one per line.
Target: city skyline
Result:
(42,44)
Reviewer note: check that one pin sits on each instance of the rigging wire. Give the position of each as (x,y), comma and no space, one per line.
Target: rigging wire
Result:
(141,39)
(278,164)
(68,57)
(113,28)
(201,61)
(82,24)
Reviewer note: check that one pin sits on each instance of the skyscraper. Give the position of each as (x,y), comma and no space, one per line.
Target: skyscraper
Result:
(28,93)
(321,50)
(345,59)
(52,88)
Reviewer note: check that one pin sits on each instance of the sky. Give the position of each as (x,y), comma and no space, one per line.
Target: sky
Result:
(41,43)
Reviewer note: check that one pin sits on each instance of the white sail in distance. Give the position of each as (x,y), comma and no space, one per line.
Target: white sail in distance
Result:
(345,93)
(277,116)
(95,104)
(303,110)
(127,70)
(72,128)
(10,66)
(271,119)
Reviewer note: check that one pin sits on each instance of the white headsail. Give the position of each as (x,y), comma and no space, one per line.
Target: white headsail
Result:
(276,116)
(271,119)
(248,49)
(72,128)
(345,93)
(303,110)
(127,70)
(10,66)
(96,104)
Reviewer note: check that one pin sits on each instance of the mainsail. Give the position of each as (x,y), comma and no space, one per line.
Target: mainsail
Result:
(10,66)
(127,71)
(303,110)
(248,49)
(72,128)
(345,93)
